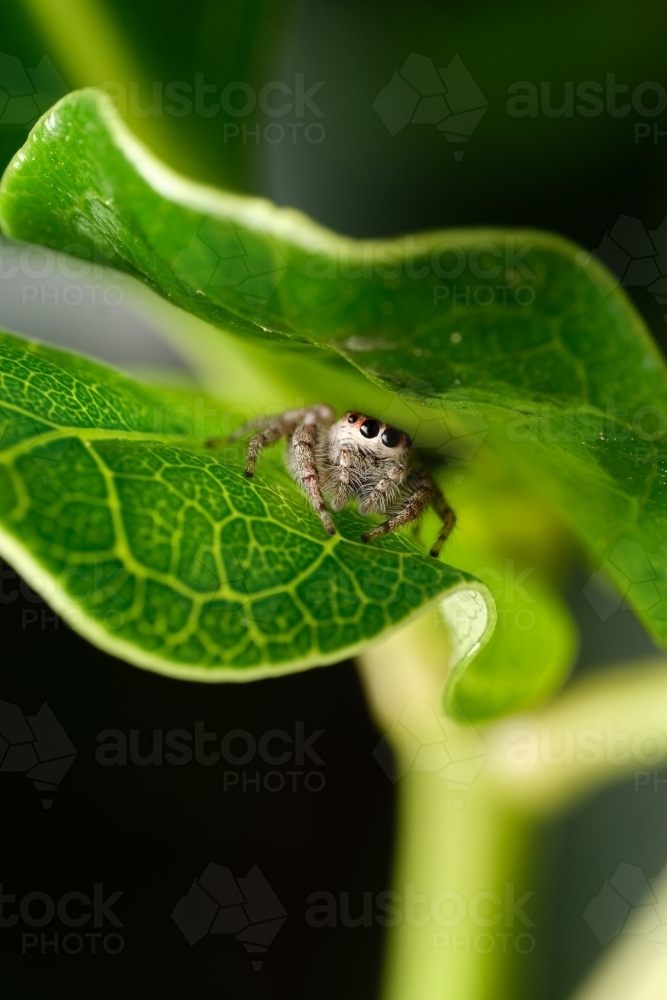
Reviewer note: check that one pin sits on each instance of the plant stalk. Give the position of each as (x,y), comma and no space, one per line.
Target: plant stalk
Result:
(463,927)
(460,872)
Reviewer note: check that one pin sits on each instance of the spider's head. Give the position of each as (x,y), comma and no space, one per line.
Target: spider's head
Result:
(366,432)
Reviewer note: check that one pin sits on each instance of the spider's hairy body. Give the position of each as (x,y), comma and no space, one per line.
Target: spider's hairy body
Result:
(354,458)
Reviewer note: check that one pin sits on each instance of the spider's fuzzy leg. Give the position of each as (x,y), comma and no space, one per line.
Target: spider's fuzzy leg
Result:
(380,497)
(339,476)
(448,522)
(446,515)
(288,420)
(426,491)
(415,505)
(257,423)
(304,443)
(258,441)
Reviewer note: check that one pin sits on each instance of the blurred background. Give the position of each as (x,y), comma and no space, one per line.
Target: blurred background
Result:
(358,162)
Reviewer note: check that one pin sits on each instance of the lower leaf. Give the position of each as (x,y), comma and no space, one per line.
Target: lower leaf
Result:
(161,552)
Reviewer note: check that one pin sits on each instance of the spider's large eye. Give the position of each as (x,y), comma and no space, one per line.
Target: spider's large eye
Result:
(352,418)
(370,428)
(391,437)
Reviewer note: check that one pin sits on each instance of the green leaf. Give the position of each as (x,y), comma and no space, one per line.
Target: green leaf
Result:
(534,643)
(527,331)
(160,551)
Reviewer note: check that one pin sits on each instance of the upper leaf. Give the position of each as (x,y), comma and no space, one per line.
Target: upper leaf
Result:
(521,326)
(161,552)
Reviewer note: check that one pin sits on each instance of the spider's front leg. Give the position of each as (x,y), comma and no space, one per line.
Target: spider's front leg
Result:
(304,442)
(426,491)
(341,479)
(272,429)
(380,496)
(446,515)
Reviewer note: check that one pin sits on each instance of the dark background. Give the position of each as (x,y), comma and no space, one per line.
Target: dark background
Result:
(149,831)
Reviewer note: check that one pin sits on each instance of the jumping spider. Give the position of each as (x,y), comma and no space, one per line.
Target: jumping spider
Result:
(354,458)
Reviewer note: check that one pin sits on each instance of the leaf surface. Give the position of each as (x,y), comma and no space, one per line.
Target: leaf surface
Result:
(520,335)
(160,551)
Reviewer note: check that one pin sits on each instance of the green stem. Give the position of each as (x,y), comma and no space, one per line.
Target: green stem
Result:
(472,850)
(468,809)
(461,861)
